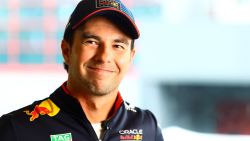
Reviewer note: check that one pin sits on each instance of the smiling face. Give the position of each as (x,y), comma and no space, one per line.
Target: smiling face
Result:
(98,57)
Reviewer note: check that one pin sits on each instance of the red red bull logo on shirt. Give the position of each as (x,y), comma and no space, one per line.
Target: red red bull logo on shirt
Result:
(131,135)
(46,107)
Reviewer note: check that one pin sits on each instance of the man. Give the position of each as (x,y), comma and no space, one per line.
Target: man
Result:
(98,48)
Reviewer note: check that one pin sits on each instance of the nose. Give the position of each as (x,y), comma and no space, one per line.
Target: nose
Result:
(104,53)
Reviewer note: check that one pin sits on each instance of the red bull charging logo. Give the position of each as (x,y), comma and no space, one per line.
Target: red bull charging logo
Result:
(46,107)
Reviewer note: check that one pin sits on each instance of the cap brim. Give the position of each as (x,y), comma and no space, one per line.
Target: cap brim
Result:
(119,17)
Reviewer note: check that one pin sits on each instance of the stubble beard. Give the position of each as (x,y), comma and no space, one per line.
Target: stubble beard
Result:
(96,90)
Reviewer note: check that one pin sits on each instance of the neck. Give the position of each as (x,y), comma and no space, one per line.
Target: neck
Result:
(95,107)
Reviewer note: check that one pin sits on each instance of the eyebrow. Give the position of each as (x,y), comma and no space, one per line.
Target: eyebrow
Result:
(122,40)
(86,35)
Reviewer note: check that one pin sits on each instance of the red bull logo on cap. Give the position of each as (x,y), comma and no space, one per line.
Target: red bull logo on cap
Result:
(46,107)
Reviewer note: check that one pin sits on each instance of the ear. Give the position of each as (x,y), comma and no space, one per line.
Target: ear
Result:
(132,54)
(66,50)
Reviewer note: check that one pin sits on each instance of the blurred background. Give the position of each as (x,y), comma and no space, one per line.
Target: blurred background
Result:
(192,67)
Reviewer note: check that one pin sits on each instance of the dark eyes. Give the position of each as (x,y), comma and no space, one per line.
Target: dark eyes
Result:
(119,46)
(90,42)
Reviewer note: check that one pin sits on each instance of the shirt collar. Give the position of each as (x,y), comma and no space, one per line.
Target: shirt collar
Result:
(114,109)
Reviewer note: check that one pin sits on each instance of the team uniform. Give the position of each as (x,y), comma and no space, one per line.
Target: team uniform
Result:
(61,118)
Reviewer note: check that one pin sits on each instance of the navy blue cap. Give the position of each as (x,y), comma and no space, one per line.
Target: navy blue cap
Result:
(115,9)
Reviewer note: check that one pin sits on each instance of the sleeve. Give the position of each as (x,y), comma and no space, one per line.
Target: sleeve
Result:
(6,129)
(159,136)
(158,133)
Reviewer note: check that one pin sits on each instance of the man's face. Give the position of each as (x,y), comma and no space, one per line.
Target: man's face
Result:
(99,57)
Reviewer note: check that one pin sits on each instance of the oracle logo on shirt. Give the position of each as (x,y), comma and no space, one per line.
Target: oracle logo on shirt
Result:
(131,135)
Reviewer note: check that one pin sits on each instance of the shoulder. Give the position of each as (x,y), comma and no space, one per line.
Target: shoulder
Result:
(134,109)
(9,121)
(18,114)
(6,129)
(143,119)
(142,114)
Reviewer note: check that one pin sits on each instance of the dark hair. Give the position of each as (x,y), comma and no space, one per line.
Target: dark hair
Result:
(69,35)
